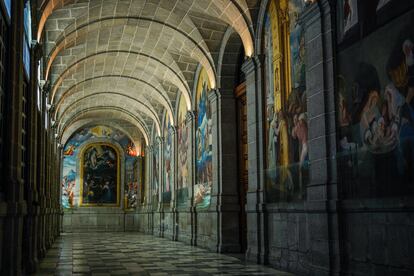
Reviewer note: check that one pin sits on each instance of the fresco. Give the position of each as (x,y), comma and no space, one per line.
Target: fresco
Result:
(183,176)
(286,131)
(71,177)
(99,175)
(203,146)
(167,172)
(155,174)
(375,92)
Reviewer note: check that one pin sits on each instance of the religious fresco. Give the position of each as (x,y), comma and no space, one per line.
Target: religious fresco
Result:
(203,146)
(375,107)
(71,154)
(100,175)
(347,16)
(167,172)
(286,129)
(183,176)
(155,173)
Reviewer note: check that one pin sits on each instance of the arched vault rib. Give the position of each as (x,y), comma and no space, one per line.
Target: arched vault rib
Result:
(80,87)
(234,12)
(121,112)
(78,35)
(108,97)
(178,80)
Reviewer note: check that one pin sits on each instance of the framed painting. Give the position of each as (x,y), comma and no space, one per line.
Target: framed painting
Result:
(100,175)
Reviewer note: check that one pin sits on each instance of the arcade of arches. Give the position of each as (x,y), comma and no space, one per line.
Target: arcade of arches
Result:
(278,130)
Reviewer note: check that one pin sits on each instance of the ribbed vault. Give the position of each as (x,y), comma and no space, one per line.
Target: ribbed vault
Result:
(127,60)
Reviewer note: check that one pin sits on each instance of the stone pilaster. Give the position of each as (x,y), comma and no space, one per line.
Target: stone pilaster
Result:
(228,207)
(148,227)
(14,206)
(322,196)
(191,128)
(256,231)
(159,212)
(172,131)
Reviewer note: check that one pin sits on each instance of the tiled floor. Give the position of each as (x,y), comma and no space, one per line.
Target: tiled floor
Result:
(137,254)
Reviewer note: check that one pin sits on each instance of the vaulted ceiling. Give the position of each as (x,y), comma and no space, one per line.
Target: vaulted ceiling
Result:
(126,61)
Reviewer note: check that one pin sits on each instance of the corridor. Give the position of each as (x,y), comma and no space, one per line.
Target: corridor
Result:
(277,130)
(137,254)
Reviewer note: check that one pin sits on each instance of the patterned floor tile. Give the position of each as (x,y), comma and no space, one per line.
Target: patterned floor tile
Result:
(110,254)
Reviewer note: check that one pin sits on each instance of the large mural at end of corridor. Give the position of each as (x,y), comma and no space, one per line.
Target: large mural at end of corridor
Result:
(71,176)
(204,166)
(183,176)
(286,131)
(375,111)
(99,178)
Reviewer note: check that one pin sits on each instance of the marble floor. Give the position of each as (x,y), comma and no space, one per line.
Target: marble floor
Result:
(138,254)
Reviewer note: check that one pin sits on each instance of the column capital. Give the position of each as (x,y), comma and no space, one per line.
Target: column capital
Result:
(158,140)
(191,115)
(172,130)
(47,86)
(251,64)
(148,148)
(213,95)
(37,50)
(312,12)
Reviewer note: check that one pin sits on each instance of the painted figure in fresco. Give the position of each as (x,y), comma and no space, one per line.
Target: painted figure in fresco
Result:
(285,180)
(273,144)
(204,138)
(70,150)
(350,14)
(300,132)
(297,46)
(344,116)
(68,187)
(155,170)
(131,150)
(184,166)
(286,108)
(99,183)
(167,166)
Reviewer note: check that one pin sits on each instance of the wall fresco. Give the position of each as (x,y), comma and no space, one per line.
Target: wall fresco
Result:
(183,177)
(100,175)
(286,131)
(204,168)
(375,107)
(168,170)
(71,156)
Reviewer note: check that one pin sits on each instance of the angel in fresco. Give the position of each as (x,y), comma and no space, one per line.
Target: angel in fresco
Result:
(70,150)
